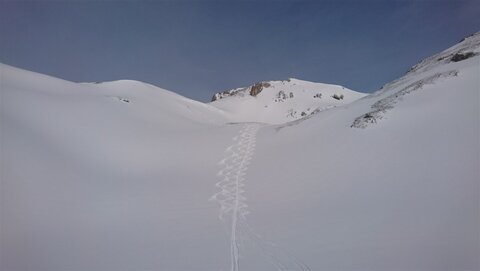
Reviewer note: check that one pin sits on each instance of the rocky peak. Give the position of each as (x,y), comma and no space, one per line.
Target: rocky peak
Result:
(253,90)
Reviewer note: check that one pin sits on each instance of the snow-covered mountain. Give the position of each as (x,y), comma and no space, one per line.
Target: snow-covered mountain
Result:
(125,175)
(281,101)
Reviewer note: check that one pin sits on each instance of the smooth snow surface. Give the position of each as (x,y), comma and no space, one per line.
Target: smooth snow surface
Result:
(127,176)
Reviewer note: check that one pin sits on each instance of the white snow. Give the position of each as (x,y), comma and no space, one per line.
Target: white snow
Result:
(283,101)
(125,175)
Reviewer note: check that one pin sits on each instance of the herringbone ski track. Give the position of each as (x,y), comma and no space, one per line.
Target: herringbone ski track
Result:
(233,204)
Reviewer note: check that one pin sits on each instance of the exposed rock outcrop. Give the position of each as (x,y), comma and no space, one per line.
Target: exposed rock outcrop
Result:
(252,90)
(459,57)
(258,87)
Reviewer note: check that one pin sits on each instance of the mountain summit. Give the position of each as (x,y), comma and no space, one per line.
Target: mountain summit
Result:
(278,102)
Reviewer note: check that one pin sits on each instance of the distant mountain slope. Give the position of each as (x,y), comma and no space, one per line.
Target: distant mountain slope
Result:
(282,101)
(135,99)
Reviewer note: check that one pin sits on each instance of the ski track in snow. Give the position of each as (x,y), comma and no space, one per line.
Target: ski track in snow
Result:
(230,197)
(233,204)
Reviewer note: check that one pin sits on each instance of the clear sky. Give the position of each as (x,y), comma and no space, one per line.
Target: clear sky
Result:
(196,48)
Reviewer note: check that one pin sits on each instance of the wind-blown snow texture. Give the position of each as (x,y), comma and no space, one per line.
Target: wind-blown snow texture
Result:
(118,175)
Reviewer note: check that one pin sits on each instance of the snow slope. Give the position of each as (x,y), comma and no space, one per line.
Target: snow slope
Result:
(401,191)
(124,175)
(282,101)
(92,182)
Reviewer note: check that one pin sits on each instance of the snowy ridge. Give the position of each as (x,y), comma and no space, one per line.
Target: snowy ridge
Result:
(439,66)
(468,47)
(135,96)
(282,101)
(380,107)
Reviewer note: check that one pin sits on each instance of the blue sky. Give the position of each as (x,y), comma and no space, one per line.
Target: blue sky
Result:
(198,47)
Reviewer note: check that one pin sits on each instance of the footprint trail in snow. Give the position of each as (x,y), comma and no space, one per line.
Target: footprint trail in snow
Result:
(233,204)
